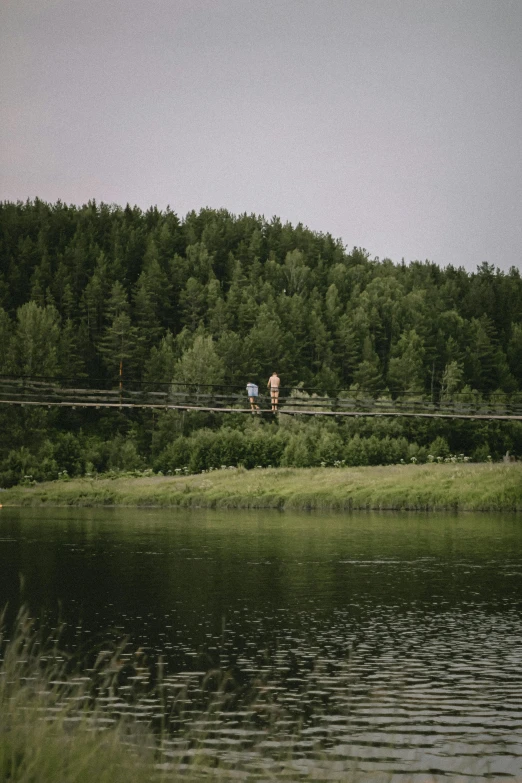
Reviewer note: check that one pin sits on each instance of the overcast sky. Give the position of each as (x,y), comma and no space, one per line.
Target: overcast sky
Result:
(395,125)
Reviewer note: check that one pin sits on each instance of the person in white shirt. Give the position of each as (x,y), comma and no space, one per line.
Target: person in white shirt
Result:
(253,393)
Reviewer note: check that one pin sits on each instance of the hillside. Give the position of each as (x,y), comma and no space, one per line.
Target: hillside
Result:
(89,293)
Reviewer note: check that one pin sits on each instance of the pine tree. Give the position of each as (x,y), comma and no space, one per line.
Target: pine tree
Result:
(368,377)
(264,344)
(346,350)
(6,331)
(160,366)
(406,368)
(35,342)
(200,367)
(120,343)
(71,358)
(192,303)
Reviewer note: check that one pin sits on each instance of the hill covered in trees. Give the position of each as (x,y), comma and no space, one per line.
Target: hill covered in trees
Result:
(222,299)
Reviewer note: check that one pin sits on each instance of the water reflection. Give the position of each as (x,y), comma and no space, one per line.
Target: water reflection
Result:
(387,643)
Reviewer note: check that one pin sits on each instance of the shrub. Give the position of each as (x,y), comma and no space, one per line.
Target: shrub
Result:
(375,450)
(481,453)
(229,448)
(19,463)
(439,447)
(201,443)
(328,448)
(123,455)
(264,448)
(69,454)
(297,452)
(96,455)
(355,451)
(175,455)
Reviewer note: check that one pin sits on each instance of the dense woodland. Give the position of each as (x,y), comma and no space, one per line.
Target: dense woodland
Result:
(220,299)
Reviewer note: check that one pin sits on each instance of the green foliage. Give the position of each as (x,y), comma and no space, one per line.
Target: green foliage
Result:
(123,455)
(68,454)
(34,348)
(199,365)
(5,341)
(439,447)
(161,363)
(218,298)
(406,368)
(451,380)
(120,342)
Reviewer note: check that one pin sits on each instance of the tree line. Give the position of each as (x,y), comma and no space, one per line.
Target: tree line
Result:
(89,292)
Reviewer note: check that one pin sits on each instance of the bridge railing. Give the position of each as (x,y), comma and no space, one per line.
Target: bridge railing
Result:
(297,401)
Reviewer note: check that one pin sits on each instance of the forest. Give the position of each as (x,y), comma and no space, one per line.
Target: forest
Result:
(94,292)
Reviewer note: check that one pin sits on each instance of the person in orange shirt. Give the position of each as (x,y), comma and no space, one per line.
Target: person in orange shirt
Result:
(273,384)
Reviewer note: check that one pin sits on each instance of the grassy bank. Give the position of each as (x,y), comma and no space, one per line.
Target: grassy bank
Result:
(465,487)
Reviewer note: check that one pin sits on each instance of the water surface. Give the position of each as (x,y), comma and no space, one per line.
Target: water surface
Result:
(389,643)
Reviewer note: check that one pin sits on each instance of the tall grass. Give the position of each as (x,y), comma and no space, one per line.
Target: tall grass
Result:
(52,730)
(438,487)
(56,727)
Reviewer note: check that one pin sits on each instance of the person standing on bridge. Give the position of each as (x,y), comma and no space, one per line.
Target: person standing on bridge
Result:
(273,384)
(253,393)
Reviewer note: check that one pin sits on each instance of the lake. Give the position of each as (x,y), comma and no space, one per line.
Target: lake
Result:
(386,643)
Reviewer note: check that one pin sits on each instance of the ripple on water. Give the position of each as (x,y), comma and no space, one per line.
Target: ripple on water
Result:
(360,671)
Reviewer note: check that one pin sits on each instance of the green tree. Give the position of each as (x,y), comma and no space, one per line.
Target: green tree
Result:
(451,380)
(200,365)
(94,297)
(151,297)
(264,344)
(515,353)
(160,366)
(71,358)
(6,331)
(192,302)
(485,363)
(296,272)
(406,370)
(35,343)
(231,348)
(346,349)
(368,377)
(120,342)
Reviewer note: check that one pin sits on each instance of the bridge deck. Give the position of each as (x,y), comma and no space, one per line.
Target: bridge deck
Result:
(19,391)
(300,411)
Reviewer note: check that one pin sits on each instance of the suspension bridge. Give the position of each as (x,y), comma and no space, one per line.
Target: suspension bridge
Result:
(31,392)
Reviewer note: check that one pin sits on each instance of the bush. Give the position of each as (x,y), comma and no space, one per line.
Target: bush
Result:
(355,451)
(481,453)
(19,463)
(175,455)
(298,452)
(439,447)
(200,444)
(375,450)
(328,448)
(123,455)
(229,448)
(69,454)
(264,448)
(96,455)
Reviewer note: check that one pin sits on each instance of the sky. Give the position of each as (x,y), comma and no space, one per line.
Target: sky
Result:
(394,125)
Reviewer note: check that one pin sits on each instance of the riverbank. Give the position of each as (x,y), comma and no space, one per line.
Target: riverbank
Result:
(433,487)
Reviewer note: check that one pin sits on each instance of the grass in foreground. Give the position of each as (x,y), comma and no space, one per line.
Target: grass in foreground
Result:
(463,487)
(53,730)
(46,736)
